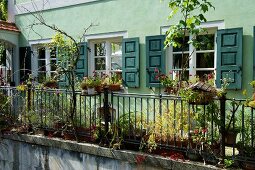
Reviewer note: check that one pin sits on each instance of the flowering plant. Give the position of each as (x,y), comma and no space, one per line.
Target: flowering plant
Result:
(115,78)
(88,82)
(198,137)
(165,80)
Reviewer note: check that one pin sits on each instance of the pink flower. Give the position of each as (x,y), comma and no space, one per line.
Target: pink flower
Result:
(196,131)
(170,72)
(156,70)
(156,77)
(209,76)
(204,130)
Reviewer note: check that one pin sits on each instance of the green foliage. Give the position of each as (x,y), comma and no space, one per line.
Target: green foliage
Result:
(228,163)
(192,15)
(3,9)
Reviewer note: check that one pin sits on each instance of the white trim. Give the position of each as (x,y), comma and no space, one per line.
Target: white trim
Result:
(122,34)
(41,41)
(210,24)
(42,5)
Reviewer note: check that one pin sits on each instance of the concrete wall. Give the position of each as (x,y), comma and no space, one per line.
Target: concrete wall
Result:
(24,156)
(23,152)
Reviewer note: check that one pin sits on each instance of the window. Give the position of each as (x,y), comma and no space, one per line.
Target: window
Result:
(106,56)
(45,62)
(201,61)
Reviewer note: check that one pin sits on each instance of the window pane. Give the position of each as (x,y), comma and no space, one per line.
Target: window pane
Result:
(53,52)
(116,63)
(177,61)
(41,65)
(206,42)
(203,74)
(116,49)
(3,58)
(53,65)
(100,49)
(41,53)
(41,77)
(99,63)
(205,60)
(176,75)
(186,45)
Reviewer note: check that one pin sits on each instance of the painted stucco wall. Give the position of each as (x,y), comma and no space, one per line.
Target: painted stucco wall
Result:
(141,18)
(13,39)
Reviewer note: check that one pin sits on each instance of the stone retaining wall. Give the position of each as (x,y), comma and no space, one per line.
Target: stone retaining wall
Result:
(25,152)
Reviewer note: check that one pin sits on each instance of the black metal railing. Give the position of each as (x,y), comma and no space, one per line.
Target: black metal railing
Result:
(224,128)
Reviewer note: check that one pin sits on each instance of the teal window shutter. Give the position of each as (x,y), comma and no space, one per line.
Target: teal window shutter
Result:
(254,53)
(229,57)
(155,59)
(63,81)
(25,62)
(82,63)
(130,62)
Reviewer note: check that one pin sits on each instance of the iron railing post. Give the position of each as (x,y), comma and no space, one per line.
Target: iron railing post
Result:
(29,86)
(222,127)
(106,110)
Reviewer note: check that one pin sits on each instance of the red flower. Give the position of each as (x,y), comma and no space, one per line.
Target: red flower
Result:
(196,131)
(204,130)
(140,159)
(209,76)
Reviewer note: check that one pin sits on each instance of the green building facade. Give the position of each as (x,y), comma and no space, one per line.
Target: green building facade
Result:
(129,35)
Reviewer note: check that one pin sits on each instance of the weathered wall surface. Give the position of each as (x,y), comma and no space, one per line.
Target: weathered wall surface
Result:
(24,156)
(28,152)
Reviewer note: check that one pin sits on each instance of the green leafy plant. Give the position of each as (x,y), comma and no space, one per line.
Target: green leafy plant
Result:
(192,15)
(115,78)
(3,10)
(228,163)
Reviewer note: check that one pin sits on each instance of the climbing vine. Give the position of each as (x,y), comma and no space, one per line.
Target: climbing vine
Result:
(3,9)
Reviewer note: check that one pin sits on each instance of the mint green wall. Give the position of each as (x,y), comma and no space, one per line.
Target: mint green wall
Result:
(13,39)
(141,18)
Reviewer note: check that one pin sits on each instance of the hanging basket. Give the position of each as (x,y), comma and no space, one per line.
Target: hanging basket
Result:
(203,93)
(51,84)
(203,98)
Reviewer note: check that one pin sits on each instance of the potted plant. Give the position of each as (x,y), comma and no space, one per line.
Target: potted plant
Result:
(197,139)
(200,91)
(50,83)
(115,82)
(169,83)
(98,82)
(89,84)
(250,101)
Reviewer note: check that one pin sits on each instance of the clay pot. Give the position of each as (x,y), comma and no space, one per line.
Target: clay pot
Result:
(114,87)
(230,137)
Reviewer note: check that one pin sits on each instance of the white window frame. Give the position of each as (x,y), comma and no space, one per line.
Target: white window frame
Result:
(92,39)
(35,44)
(211,26)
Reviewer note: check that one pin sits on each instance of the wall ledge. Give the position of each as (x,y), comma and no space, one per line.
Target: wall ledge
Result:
(123,155)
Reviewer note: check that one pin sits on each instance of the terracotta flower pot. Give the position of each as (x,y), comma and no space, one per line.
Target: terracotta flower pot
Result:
(114,87)
(230,137)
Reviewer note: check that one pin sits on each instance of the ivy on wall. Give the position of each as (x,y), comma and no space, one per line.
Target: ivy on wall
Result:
(3,9)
